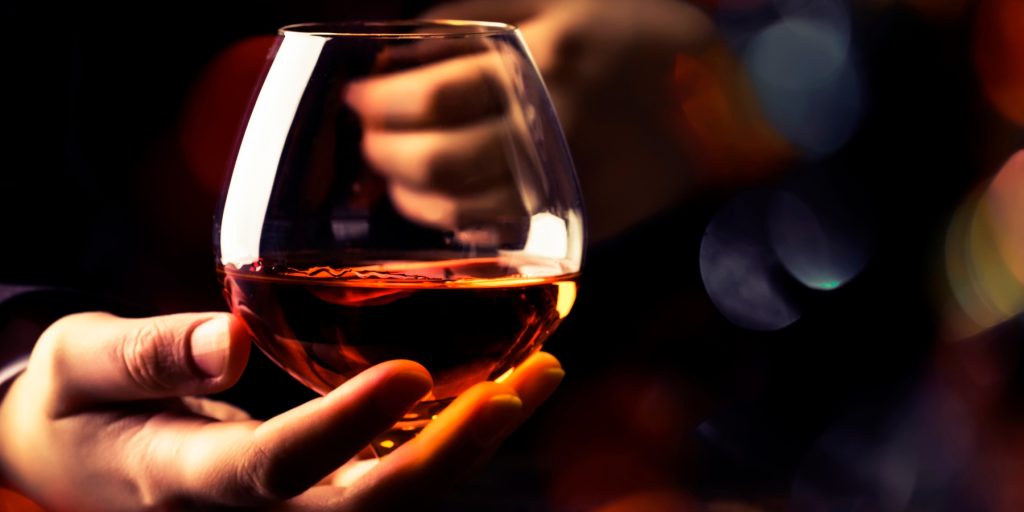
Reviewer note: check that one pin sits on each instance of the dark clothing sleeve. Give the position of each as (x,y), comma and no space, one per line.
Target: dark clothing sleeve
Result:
(26,311)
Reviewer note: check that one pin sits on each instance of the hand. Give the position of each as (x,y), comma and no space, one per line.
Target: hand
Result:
(441,134)
(103,419)
(609,65)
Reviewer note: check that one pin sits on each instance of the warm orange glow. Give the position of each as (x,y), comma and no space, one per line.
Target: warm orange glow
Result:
(729,140)
(503,377)
(1006,203)
(566,298)
(999,55)
(387,444)
(984,253)
(11,501)
(668,499)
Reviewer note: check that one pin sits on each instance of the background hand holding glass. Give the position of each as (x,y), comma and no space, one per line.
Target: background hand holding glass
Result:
(401,190)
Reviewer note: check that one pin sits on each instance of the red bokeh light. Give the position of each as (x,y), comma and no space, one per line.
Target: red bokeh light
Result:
(618,439)
(13,502)
(216,107)
(999,55)
(726,135)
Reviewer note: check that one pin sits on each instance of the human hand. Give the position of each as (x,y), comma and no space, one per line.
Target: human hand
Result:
(609,65)
(437,125)
(103,418)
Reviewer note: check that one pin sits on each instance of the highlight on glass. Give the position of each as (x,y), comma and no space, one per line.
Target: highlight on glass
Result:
(401,190)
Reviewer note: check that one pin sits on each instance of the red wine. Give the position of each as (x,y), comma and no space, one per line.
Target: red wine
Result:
(466,321)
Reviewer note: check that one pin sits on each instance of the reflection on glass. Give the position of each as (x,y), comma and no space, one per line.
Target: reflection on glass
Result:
(401,190)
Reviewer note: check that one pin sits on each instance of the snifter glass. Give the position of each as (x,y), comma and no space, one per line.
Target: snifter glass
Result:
(401,190)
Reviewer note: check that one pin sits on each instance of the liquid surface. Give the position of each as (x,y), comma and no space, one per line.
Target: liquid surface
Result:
(466,321)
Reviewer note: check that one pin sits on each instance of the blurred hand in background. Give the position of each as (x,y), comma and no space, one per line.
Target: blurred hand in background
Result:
(609,68)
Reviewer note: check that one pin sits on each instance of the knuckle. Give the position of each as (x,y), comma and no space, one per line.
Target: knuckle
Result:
(476,95)
(433,166)
(54,343)
(438,98)
(56,335)
(150,364)
(373,151)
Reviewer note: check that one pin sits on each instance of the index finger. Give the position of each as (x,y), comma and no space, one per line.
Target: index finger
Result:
(447,93)
(253,463)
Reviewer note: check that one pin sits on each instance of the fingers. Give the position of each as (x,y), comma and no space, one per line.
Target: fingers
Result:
(453,443)
(93,358)
(248,463)
(500,205)
(536,379)
(442,453)
(460,160)
(444,137)
(446,93)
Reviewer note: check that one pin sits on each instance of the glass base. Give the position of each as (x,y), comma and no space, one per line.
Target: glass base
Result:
(409,427)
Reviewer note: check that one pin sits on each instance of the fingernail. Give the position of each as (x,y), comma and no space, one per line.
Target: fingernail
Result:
(209,345)
(548,383)
(404,389)
(554,375)
(498,416)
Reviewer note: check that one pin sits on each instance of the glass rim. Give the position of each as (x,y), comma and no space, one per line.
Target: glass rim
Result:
(427,28)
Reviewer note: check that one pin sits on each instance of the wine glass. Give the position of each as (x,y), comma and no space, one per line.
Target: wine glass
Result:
(401,189)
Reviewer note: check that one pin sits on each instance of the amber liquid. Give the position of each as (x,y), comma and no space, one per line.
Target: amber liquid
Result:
(466,321)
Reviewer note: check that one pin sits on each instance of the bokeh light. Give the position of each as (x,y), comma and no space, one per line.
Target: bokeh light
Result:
(999,55)
(819,232)
(619,442)
(942,11)
(216,107)
(11,501)
(662,500)
(739,268)
(797,64)
(806,83)
(850,470)
(983,254)
(724,130)
(834,14)
(1006,208)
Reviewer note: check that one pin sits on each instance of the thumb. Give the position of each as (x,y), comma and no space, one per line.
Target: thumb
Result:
(93,358)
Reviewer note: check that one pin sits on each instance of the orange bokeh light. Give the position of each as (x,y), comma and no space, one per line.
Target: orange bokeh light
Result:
(1006,203)
(985,254)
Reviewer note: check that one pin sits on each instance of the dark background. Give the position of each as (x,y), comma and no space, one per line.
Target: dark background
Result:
(664,395)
